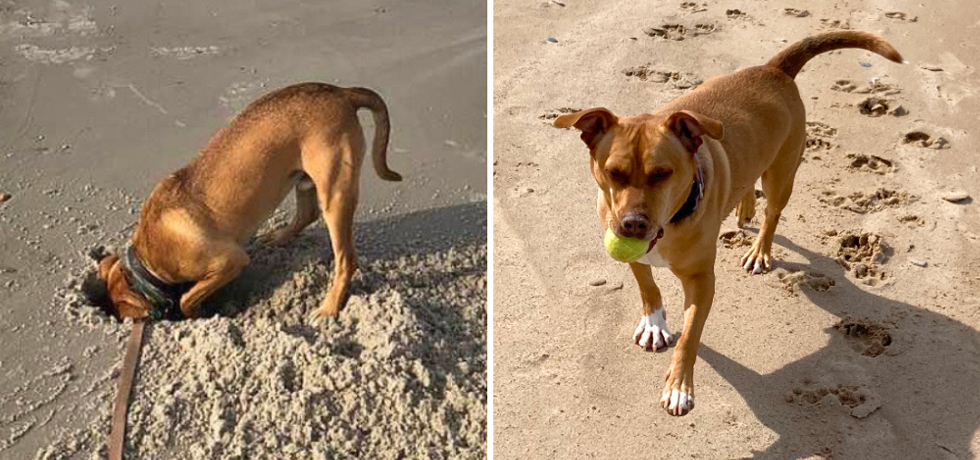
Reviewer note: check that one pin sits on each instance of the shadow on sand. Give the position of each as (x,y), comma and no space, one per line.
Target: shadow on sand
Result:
(377,242)
(927,382)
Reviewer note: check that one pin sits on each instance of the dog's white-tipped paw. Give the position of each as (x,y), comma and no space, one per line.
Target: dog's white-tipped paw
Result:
(677,402)
(652,333)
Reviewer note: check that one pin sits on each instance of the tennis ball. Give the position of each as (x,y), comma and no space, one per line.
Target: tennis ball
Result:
(625,249)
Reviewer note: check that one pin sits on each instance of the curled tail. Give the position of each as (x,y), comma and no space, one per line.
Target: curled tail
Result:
(365,98)
(792,59)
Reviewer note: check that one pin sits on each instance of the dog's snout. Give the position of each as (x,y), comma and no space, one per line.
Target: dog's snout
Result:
(634,225)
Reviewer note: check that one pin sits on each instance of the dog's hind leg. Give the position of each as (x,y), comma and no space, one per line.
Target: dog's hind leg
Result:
(746,208)
(335,169)
(777,185)
(306,214)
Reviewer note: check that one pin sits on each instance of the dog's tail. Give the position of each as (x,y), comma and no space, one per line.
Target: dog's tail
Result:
(793,58)
(365,98)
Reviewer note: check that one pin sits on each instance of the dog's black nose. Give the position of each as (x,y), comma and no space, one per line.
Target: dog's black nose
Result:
(634,225)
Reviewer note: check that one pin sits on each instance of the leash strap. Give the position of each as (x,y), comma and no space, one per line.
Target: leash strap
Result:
(120,407)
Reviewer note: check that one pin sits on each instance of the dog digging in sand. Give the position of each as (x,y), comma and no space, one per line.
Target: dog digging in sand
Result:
(672,176)
(190,238)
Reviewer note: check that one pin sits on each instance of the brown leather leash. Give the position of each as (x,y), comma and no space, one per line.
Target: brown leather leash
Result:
(120,407)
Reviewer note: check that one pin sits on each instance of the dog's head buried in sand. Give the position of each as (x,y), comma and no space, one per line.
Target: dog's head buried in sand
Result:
(193,228)
(671,178)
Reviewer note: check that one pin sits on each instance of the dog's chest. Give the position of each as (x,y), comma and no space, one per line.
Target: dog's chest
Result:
(654,258)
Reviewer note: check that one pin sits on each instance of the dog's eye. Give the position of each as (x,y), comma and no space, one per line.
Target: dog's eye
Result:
(618,176)
(658,175)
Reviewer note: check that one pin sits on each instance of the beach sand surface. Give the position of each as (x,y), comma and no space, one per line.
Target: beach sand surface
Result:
(101,100)
(876,359)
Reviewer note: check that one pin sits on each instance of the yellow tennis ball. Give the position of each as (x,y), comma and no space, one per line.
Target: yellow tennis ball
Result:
(625,249)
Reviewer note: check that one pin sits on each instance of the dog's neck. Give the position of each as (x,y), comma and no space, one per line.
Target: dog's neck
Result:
(163,297)
(694,198)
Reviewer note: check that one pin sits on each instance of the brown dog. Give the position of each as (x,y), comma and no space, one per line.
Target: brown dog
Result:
(192,229)
(672,176)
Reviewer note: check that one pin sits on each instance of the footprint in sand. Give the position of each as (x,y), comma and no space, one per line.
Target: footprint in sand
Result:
(865,336)
(735,239)
(874,87)
(678,79)
(875,107)
(796,12)
(912,220)
(555,113)
(900,16)
(921,139)
(851,396)
(816,133)
(844,86)
(793,281)
(863,254)
(827,23)
(870,163)
(867,202)
(736,14)
(693,7)
(679,32)
(816,128)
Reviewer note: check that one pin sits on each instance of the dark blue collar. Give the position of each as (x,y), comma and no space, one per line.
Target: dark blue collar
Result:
(693,199)
(164,298)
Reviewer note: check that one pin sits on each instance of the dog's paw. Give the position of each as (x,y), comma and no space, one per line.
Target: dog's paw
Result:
(756,260)
(276,237)
(678,396)
(677,403)
(321,314)
(652,333)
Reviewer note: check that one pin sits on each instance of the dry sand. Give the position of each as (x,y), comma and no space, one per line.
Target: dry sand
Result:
(864,342)
(102,99)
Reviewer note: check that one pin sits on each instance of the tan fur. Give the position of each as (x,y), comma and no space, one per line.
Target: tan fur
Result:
(195,223)
(741,126)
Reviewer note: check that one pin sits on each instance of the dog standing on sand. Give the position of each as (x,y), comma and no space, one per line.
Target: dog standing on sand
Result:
(192,230)
(671,178)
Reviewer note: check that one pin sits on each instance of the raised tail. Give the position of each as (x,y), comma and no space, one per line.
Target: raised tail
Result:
(365,98)
(793,58)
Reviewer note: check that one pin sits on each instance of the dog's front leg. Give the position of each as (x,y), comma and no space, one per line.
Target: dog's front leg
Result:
(699,291)
(222,268)
(651,333)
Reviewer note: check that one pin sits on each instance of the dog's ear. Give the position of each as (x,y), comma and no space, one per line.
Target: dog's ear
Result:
(592,122)
(688,127)
(105,265)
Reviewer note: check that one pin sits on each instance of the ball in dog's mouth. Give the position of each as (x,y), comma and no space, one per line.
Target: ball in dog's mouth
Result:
(653,242)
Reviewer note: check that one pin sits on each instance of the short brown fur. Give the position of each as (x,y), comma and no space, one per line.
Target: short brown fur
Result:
(738,127)
(195,223)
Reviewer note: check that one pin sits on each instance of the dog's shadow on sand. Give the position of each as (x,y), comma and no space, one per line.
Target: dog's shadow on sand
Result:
(926,381)
(417,234)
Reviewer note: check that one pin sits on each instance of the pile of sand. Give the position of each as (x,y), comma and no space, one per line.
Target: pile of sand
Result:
(401,374)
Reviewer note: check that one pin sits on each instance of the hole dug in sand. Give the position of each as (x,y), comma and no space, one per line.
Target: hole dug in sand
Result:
(401,373)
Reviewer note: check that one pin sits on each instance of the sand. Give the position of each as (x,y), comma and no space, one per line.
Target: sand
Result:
(103,99)
(863,342)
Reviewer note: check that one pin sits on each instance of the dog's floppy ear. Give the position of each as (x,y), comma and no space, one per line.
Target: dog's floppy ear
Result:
(689,127)
(105,264)
(592,122)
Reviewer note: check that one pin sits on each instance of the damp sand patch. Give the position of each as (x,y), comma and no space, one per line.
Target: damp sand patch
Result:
(400,374)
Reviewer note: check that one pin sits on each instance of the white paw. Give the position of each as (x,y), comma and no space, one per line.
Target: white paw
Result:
(677,402)
(652,333)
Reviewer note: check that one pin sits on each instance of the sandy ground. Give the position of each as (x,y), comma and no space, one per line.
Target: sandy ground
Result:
(863,342)
(100,100)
